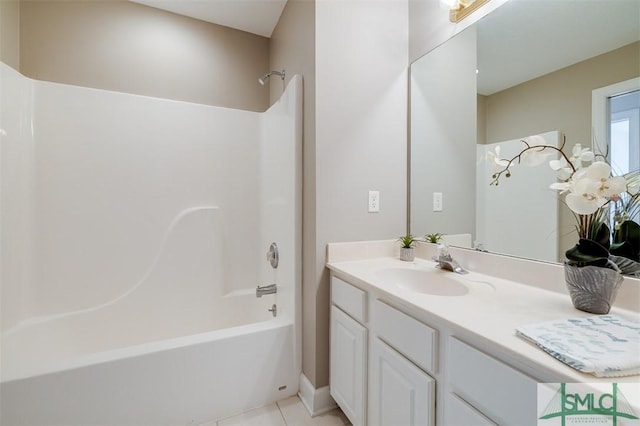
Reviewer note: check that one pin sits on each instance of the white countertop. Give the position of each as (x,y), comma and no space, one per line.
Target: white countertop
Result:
(490,311)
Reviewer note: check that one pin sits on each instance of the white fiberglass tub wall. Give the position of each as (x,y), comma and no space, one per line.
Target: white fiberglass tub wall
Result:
(134,232)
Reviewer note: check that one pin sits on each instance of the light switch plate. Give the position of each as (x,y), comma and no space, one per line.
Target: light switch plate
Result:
(437,201)
(374,201)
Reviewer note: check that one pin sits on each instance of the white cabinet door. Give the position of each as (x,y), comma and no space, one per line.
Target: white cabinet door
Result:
(348,379)
(399,393)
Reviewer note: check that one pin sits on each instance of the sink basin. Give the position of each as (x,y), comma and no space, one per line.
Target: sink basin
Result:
(434,282)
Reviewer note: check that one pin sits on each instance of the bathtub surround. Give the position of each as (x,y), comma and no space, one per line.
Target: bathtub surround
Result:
(134,236)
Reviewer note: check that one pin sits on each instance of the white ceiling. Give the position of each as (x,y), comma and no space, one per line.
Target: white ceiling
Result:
(254,16)
(525,39)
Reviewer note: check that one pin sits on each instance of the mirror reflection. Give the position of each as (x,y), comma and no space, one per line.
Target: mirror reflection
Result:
(530,67)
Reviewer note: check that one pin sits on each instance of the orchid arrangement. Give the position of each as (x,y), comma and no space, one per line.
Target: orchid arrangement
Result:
(590,190)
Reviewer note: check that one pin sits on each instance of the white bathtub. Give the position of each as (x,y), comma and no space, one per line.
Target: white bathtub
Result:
(130,259)
(71,377)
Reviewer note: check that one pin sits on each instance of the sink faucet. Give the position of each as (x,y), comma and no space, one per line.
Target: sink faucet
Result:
(266,289)
(445,261)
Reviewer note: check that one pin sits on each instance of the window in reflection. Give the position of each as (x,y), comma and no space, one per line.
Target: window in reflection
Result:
(624,139)
(625,131)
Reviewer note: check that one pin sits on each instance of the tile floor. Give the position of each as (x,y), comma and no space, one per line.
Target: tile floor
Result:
(288,412)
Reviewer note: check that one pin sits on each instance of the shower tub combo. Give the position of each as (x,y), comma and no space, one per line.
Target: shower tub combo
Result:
(129,293)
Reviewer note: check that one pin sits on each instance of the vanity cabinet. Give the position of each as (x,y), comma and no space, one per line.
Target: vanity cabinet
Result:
(399,392)
(379,363)
(401,353)
(348,350)
(495,390)
(393,365)
(348,365)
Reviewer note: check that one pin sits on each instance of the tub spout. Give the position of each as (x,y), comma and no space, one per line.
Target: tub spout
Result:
(266,289)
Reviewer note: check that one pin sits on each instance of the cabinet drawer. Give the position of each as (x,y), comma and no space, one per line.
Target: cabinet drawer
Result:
(408,336)
(502,393)
(350,299)
(459,413)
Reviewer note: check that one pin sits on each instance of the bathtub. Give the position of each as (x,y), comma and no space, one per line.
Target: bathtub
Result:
(175,380)
(129,271)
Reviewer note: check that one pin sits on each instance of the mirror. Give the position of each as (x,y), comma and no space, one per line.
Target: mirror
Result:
(530,67)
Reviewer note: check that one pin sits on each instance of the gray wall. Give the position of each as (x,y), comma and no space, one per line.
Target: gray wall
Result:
(10,33)
(293,49)
(361,132)
(353,57)
(443,137)
(558,101)
(132,48)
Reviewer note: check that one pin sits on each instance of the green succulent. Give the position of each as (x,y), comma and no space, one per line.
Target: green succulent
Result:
(408,241)
(434,238)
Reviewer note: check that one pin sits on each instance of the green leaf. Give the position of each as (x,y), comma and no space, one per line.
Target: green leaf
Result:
(603,235)
(588,252)
(407,241)
(627,240)
(434,238)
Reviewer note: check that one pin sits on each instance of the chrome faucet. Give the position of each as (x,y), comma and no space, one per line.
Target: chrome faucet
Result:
(266,289)
(445,261)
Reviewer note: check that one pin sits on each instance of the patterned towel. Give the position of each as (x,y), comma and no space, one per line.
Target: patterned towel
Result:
(604,345)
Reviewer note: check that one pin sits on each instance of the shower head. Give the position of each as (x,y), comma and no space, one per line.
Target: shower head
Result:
(263,80)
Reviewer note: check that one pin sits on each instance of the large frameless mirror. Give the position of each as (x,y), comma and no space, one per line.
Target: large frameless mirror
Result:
(530,67)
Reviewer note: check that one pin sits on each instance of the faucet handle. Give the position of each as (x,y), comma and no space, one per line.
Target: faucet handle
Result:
(443,252)
(272,255)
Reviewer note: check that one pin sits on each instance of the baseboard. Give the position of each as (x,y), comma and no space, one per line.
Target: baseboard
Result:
(316,401)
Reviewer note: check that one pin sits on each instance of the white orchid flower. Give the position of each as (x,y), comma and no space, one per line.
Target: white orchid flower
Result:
(613,187)
(562,168)
(592,187)
(558,164)
(561,186)
(535,156)
(535,140)
(564,173)
(580,155)
(607,185)
(494,157)
(584,203)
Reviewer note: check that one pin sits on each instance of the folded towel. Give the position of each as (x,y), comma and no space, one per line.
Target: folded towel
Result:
(603,345)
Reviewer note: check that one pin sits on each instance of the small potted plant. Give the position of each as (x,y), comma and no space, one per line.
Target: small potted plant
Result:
(406,250)
(434,238)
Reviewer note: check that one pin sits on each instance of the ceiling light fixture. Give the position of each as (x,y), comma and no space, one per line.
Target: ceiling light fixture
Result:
(459,9)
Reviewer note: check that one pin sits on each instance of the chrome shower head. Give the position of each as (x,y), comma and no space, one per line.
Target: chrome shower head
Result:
(263,80)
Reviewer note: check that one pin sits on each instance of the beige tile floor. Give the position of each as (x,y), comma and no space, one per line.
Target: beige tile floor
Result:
(288,412)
